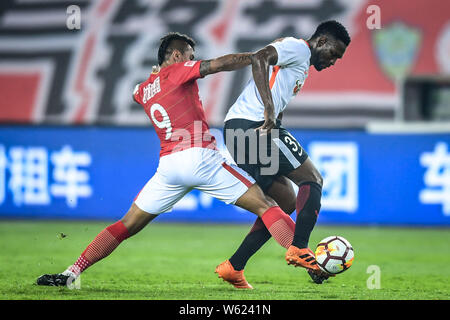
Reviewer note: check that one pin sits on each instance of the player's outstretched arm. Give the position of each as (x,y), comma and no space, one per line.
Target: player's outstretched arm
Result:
(227,62)
(261,61)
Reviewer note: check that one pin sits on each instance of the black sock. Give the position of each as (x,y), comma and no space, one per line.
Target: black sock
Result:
(308,207)
(255,239)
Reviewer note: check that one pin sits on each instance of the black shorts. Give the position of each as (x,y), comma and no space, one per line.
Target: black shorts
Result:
(264,157)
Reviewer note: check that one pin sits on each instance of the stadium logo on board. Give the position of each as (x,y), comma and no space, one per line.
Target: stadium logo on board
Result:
(396,48)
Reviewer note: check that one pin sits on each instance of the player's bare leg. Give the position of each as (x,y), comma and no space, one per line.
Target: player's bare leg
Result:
(136,219)
(283,193)
(277,223)
(307,203)
(102,246)
(255,201)
(232,270)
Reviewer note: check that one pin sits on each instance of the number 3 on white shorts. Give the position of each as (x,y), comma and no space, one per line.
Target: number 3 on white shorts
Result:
(165,123)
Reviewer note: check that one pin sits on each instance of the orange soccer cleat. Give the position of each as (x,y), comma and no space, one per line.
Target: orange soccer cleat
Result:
(305,258)
(301,258)
(226,271)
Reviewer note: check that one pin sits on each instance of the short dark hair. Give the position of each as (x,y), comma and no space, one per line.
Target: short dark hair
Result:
(333,28)
(169,43)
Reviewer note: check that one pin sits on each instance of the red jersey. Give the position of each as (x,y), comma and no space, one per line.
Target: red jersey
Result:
(170,99)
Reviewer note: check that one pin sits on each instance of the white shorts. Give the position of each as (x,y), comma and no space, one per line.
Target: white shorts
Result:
(195,168)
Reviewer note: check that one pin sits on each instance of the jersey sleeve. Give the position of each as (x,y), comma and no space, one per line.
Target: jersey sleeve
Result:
(185,71)
(136,96)
(291,51)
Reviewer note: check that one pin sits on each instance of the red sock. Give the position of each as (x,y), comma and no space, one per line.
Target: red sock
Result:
(102,246)
(280,226)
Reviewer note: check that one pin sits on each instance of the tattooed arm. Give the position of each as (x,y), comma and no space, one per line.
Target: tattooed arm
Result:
(228,62)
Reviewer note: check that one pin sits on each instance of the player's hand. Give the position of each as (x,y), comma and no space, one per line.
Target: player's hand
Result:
(268,125)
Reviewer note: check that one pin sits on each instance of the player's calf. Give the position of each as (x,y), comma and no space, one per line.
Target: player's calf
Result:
(308,208)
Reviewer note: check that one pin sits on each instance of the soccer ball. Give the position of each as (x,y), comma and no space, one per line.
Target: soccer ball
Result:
(334,254)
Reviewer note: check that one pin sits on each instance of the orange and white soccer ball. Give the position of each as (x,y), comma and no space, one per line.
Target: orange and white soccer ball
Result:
(334,254)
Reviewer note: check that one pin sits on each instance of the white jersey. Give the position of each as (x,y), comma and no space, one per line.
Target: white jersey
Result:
(285,80)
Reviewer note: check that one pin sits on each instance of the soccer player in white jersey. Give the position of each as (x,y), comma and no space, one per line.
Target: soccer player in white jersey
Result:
(279,71)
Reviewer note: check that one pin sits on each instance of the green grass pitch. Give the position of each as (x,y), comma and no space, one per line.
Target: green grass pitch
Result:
(177,262)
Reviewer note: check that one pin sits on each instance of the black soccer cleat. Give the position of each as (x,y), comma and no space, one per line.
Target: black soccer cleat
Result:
(54,280)
(316,277)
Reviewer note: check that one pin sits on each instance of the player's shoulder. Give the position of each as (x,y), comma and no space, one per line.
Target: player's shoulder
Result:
(180,70)
(291,50)
(287,39)
(181,66)
(291,43)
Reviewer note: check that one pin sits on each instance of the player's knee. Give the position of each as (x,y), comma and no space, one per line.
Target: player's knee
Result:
(254,200)
(319,179)
(313,176)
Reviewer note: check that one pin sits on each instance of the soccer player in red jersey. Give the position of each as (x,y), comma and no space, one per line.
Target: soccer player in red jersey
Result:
(189,158)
